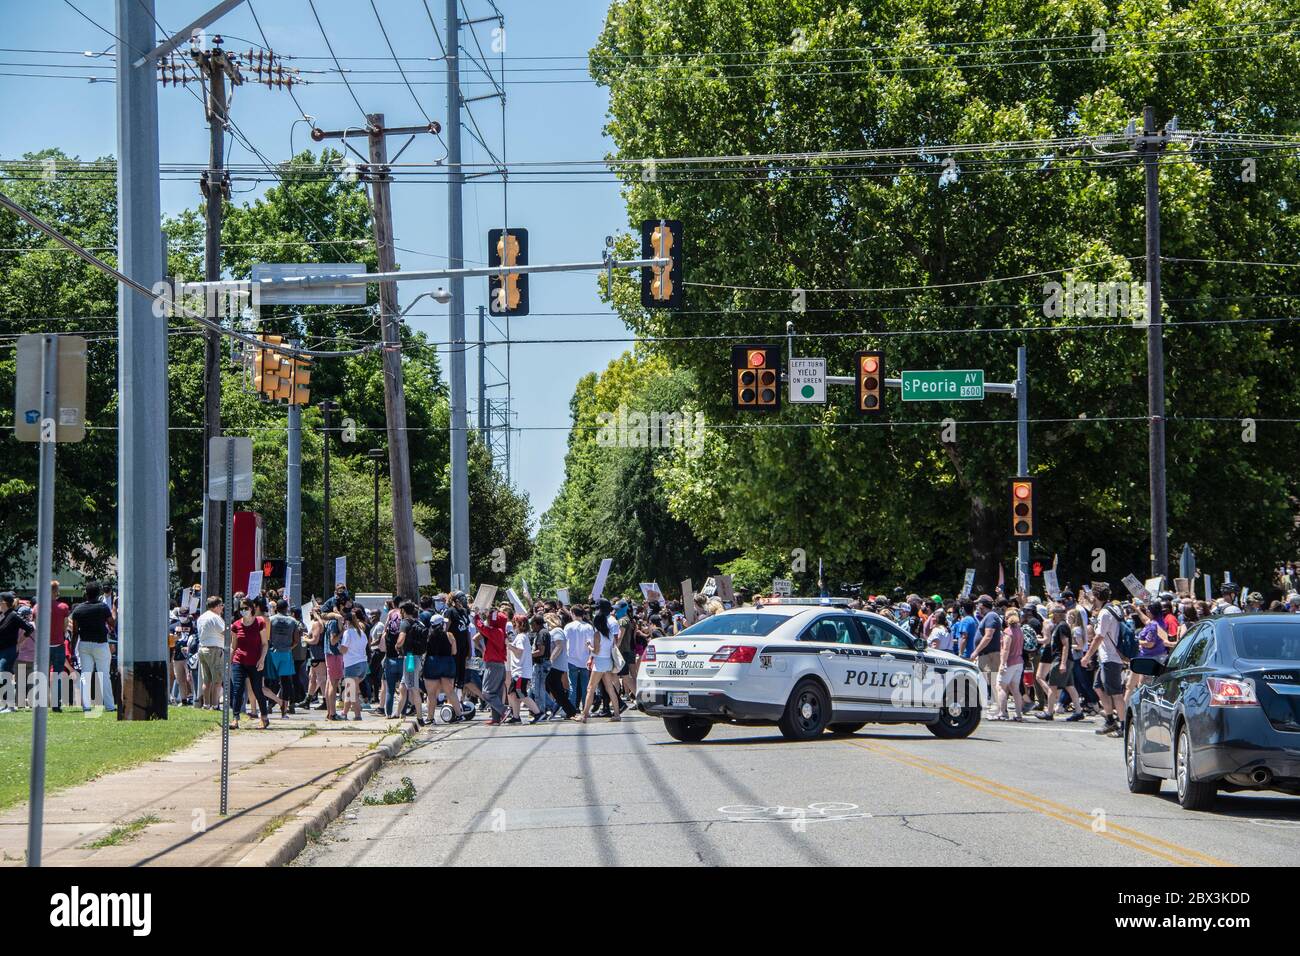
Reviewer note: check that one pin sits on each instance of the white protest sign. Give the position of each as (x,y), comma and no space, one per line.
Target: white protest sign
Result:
(688,601)
(288,583)
(1135,588)
(528,595)
(563,595)
(968,582)
(483,598)
(601,575)
(1155,585)
(254,584)
(650,591)
(1050,582)
(514,599)
(341,571)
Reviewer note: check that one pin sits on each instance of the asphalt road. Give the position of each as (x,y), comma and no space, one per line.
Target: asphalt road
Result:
(626,793)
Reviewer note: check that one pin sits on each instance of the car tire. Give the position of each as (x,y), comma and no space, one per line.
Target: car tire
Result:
(806,713)
(1192,794)
(689,730)
(957,720)
(1138,780)
(851,728)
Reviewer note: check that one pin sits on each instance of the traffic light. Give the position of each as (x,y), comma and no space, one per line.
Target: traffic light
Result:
(1037,567)
(508,292)
(661,286)
(273,568)
(756,378)
(1023,521)
(279,377)
(266,368)
(870,382)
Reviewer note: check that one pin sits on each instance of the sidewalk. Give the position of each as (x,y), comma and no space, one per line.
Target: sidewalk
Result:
(285,782)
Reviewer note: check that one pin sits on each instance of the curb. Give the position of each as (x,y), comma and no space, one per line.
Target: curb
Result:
(286,843)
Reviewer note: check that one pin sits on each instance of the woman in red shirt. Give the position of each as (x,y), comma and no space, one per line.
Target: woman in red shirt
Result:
(246,663)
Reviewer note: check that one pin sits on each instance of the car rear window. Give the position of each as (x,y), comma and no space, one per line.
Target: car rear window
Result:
(735,625)
(1267,642)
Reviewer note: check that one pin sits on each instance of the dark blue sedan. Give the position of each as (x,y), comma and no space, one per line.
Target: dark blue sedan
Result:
(1222,713)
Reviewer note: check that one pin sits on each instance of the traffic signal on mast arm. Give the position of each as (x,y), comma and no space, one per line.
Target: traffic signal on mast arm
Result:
(266,368)
(1024,521)
(661,286)
(756,378)
(869,380)
(508,291)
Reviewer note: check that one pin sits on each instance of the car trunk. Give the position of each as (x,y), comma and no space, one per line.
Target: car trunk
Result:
(686,656)
(1277,687)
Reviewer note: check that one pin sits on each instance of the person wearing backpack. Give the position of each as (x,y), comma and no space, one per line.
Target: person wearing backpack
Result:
(440,667)
(1152,639)
(1108,641)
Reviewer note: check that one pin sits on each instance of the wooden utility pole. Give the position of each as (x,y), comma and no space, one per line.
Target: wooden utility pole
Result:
(378,175)
(214,66)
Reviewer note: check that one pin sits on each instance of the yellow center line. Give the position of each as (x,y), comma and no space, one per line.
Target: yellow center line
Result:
(1068,815)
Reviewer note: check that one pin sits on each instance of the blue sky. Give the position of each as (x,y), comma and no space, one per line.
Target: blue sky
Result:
(545,121)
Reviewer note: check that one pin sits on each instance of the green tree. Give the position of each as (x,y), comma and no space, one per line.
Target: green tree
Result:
(891,501)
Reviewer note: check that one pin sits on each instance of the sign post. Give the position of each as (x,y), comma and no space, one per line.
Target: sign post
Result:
(232,460)
(49,407)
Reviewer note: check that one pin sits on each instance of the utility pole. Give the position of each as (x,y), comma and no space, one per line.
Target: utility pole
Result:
(379,176)
(482,384)
(456,316)
(1149,145)
(293,503)
(142,499)
(214,66)
(1022,454)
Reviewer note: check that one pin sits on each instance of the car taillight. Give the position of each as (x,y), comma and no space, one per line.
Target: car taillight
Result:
(734,654)
(649,653)
(1231,693)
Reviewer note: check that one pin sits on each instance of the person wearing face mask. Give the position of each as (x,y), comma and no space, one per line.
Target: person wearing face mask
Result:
(247,663)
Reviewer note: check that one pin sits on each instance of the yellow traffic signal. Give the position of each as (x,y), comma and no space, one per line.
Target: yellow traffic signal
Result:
(755,378)
(869,379)
(508,291)
(266,368)
(1023,519)
(661,286)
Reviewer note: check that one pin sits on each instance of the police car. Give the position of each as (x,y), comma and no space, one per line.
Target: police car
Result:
(807,666)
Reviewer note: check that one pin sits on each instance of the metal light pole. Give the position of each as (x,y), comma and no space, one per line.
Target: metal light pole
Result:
(142,499)
(456,260)
(376,455)
(327,576)
(1150,146)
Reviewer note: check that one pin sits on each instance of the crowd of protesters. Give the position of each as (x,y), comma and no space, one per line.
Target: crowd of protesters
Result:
(1067,657)
(440,660)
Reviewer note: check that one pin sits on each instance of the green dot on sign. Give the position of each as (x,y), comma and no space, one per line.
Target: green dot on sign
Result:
(806,391)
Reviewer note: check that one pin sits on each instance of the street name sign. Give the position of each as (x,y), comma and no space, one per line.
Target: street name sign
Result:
(961,385)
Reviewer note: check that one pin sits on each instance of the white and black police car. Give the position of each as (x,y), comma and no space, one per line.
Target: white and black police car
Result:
(807,666)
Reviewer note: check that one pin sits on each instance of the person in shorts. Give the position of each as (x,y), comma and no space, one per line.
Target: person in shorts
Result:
(1107,620)
(440,668)
(280,667)
(520,648)
(334,625)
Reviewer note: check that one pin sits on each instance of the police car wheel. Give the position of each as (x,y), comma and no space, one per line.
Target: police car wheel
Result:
(848,728)
(689,730)
(956,720)
(1138,781)
(806,713)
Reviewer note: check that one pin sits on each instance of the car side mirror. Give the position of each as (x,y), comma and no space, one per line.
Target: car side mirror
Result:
(1147,666)
(919,643)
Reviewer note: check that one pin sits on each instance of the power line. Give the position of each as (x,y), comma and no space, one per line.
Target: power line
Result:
(329,46)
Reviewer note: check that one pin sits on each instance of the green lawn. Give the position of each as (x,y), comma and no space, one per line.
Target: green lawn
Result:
(80,748)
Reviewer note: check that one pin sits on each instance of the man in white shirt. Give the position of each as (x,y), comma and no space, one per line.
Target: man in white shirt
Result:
(557,678)
(577,633)
(1110,675)
(520,646)
(211,628)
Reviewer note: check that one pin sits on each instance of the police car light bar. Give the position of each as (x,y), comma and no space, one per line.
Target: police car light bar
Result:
(822,601)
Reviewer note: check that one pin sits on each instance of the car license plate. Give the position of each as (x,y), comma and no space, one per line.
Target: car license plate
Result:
(679,700)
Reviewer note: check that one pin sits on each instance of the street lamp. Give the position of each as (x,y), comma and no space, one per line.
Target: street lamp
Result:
(376,455)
